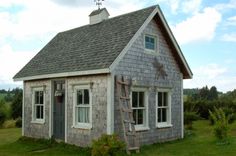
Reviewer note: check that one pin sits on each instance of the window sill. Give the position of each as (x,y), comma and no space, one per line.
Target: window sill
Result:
(85,127)
(138,129)
(164,125)
(151,52)
(38,122)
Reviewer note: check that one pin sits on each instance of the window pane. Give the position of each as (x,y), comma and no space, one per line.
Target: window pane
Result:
(149,43)
(41,112)
(135,116)
(159,99)
(134,99)
(79,97)
(86,96)
(141,99)
(36,97)
(165,99)
(164,114)
(83,115)
(159,115)
(140,116)
(37,112)
(40,97)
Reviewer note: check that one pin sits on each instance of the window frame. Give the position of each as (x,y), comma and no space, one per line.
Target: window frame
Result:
(34,118)
(77,124)
(168,122)
(156,46)
(145,125)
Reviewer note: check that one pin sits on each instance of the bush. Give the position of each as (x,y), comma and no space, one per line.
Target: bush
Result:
(3,112)
(9,124)
(19,122)
(107,145)
(189,117)
(221,123)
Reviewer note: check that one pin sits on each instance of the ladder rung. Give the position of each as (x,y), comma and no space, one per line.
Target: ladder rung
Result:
(125,98)
(127,110)
(121,82)
(128,121)
(133,148)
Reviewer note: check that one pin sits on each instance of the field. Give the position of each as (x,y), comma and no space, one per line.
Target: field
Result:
(199,142)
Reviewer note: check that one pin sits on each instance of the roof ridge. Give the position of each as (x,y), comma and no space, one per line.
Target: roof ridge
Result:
(112,17)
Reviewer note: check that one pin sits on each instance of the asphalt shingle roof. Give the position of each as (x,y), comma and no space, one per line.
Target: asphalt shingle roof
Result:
(88,47)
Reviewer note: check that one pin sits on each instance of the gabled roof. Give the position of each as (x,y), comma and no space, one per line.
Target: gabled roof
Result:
(93,49)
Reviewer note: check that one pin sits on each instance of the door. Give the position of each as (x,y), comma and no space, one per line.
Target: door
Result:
(59,110)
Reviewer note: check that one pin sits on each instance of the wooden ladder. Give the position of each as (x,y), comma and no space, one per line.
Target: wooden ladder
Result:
(126,112)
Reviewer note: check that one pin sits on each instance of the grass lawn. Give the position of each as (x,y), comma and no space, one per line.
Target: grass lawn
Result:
(200,143)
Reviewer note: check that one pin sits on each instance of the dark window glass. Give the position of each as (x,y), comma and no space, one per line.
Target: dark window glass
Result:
(159,99)
(159,115)
(40,97)
(165,99)
(149,43)
(38,112)
(164,117)
(86,96)
(80,97)
(134,99)
(41,112)
(140,116)
(141,99)
(135,114)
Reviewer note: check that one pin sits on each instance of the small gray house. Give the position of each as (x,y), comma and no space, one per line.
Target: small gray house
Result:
(69,90)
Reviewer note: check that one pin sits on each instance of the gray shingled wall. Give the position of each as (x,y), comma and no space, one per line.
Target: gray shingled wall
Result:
(137,64)
(36,130)
(83,137)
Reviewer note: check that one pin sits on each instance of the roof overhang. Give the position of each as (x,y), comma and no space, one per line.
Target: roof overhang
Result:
(66,74)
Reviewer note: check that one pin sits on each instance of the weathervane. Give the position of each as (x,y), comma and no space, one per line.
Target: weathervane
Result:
(98,3)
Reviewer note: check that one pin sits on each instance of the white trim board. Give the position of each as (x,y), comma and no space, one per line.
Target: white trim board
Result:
(66,74)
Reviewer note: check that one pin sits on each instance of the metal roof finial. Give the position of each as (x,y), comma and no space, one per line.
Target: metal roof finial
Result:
(98,3)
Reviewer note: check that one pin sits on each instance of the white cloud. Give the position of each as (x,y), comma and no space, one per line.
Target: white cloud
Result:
(212,75)
(231,21)
(191,6)
(11,62)
(229,37)
(226,6)
(199,27)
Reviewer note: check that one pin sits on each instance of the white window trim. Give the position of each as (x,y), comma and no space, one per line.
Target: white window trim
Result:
(33,118)
(82,125)
(169,122)
(149,51)
(144,126)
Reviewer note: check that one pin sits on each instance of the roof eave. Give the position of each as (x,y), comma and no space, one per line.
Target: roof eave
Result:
(66,74)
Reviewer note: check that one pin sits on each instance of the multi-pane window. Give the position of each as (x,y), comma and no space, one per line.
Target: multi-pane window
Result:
(163,108)
(38,104)
(82,108)
(139,108)
(150,42)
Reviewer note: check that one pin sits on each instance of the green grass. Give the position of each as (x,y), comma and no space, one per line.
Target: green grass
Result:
(199,142)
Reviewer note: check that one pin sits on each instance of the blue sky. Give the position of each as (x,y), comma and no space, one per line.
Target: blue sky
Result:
(204,29)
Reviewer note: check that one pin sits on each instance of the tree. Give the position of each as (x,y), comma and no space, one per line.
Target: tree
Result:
(213,93)
(16,105)
(203,93)
(3,112)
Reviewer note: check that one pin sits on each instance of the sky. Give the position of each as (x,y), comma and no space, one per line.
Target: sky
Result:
(204,29)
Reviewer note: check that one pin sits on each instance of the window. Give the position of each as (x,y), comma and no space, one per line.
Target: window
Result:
(139,106)
(82,107)
(150,42)
(163,108)
(38,105)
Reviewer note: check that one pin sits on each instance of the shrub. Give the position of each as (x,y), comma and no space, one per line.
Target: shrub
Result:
(107,145)
(221,123)
(189,117)
(9,124)
(3,112)
(19,122)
